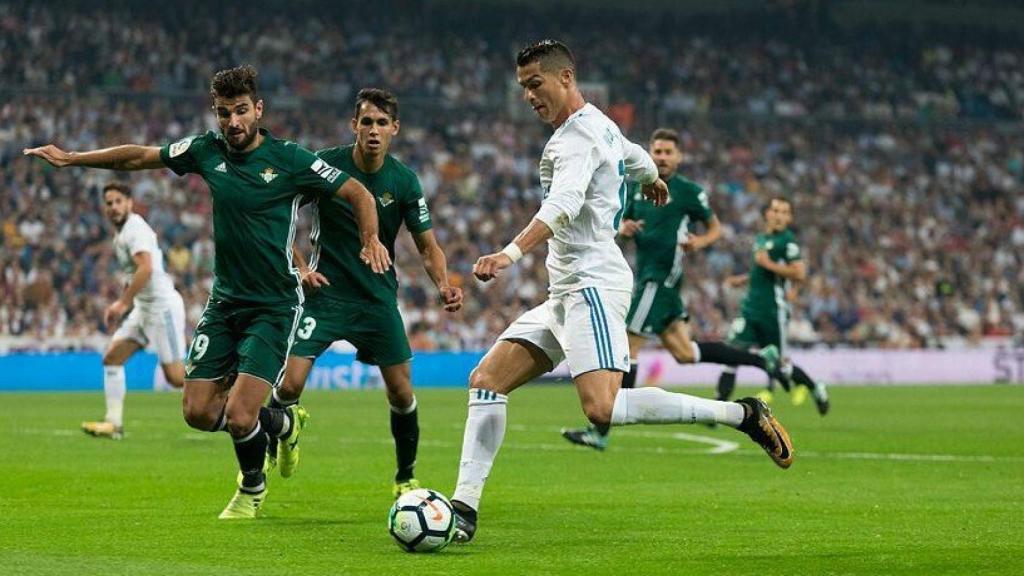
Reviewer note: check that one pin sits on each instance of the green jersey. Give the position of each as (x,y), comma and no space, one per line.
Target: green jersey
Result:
(335,235)
(256,197)
(659,257)
(766,293)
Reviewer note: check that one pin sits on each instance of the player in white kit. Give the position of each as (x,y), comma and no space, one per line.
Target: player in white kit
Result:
(157,317)
(583,171)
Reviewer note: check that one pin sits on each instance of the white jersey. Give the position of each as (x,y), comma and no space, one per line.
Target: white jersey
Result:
(583,171)
(134,237)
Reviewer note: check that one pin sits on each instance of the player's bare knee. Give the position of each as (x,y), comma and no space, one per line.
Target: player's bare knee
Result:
(485,379)
(683,356)
(110,358)
(290,389)
(197,416)
(240,423)
(400,397)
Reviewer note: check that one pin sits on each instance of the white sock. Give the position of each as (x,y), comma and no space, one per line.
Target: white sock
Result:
(114,390)
(652,405)
(696,352)
(485,431)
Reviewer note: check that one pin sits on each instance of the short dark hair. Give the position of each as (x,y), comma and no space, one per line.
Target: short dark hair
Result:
(768,203)
(234,82)
(552,55)
(118,186)
(665,134)
(386,101)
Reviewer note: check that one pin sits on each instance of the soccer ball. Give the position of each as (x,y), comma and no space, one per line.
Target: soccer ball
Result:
(422,521)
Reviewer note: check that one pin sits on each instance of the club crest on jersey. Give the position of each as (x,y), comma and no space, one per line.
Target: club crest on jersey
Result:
(268,174)
(386,199)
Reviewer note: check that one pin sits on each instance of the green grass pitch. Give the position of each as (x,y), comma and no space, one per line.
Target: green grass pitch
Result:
(895,481)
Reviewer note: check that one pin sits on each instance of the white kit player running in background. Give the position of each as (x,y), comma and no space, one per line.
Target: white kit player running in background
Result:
(157,317)
(583,171)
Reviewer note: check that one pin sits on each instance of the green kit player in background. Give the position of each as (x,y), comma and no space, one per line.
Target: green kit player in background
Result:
(764,318)
(242,341)
(351,303)
(663,239)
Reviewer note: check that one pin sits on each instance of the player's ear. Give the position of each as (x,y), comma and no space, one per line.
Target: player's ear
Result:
(354,124)
(398,126)
(567,76)
(258,107)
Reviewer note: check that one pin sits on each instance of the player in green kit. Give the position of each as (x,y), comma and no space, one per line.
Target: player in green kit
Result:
(777,261)
(351,303)
(242,341)
(663,238)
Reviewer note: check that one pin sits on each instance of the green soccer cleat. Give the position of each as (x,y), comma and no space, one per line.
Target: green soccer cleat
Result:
(799,395)
(405,486)
(288,448)
(588,437)
(244,505)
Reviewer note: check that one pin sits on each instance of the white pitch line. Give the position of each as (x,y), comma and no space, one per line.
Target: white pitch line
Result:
(718,446)
(722,447)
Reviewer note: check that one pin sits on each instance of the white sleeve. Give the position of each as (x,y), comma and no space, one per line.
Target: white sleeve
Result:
(640,166)
(576,158)
(140,239)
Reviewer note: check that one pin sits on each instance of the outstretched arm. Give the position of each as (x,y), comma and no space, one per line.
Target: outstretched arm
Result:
(126,157)
(436,265)
(364,207)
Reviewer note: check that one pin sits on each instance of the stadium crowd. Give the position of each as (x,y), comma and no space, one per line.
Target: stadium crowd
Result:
(913,227)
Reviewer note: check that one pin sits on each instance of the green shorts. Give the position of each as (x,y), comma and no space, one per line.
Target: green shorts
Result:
(654,309)
(244,338)
(759,330)
(376,330)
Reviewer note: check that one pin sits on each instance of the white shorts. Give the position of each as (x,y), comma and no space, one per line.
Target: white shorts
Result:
(586,328)
(160,328)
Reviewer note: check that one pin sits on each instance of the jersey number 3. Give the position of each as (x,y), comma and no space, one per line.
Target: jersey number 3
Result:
(308,325)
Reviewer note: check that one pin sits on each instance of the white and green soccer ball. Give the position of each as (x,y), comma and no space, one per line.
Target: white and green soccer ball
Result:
(422,521)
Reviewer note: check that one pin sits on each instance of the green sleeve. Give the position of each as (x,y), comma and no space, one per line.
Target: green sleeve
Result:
(701,209)
(314,177)
(793,252)
(183,156)
(414,207)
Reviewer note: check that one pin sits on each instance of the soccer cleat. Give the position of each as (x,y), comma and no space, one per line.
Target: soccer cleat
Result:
(588,436)
(799,395)
(244,505)
(764,429)
(103,430)
(820,394)
(405,486)
(288,448)
(765,396)
(465,522)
